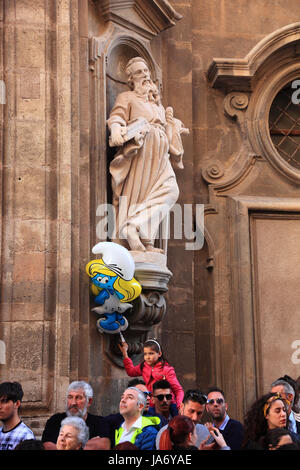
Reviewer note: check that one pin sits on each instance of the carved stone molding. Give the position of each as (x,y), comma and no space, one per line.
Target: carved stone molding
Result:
(210,260)
(240,169)
(220,181)
(145,17)
(251,85)
(116,37)
(239,74)
(151,270)
(235,102)
(258,122)
(212,172)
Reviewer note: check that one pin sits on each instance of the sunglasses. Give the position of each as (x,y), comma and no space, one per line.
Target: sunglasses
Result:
(168,397)
(219,401)
(147,394)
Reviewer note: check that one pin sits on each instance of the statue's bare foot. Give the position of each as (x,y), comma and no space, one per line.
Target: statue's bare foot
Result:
(154,249)
(136,245)
(134,239)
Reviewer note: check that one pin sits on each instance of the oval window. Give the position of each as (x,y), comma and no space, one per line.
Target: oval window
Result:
(284,123)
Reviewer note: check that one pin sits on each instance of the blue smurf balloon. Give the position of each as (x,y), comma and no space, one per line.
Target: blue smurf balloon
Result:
(113,285)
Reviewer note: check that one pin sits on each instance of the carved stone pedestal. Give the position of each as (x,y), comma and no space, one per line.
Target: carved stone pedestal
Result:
(148,309)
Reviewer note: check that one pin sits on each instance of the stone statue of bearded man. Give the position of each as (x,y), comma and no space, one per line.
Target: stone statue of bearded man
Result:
(143,180)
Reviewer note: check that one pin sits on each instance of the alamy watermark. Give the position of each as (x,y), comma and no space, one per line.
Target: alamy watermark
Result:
(2,92)
(188,222)
(2,352)
(296,354)
(296,93)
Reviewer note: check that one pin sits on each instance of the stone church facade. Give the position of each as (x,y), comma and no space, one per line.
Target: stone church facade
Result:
(227,314)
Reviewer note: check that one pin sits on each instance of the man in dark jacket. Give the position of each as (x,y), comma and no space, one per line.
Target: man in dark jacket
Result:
(162,400)
(79,399)
(216,407)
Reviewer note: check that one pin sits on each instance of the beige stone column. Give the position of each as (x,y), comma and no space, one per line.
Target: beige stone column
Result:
(27,243)
(45,179)
(64,198)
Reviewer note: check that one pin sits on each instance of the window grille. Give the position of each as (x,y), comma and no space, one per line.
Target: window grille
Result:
(284,125)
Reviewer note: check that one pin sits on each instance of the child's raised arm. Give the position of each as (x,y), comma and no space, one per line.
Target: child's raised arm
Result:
(123,348)
(131,370)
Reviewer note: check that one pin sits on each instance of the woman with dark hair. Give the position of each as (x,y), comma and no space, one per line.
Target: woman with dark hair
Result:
(179,435)
(276,438)
(266,413)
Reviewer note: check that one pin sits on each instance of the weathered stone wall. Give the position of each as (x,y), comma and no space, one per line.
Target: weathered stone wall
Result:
(29,216)
(204,292)
(45,206)
(178,332)
(54,174)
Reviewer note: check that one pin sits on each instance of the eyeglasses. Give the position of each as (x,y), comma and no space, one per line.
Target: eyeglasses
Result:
(147,394)
(197,396)
(168,397)
(219,401)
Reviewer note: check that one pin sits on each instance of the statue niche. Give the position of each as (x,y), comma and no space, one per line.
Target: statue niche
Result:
(145,145)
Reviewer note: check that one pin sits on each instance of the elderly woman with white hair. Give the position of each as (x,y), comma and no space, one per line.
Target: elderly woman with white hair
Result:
(73,434)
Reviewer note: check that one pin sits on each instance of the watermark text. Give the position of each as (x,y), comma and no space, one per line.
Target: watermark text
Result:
(2,352)
(296,354)
(153,222)
(2,92)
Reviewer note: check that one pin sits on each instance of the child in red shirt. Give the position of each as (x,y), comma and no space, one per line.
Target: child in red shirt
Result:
(153,368)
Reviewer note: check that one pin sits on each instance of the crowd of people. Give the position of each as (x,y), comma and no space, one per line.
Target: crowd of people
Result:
(155,413)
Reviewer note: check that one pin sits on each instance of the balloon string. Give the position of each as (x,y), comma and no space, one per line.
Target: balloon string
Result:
(122,338)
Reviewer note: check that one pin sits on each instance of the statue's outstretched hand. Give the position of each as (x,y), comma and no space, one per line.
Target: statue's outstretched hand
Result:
(170,115)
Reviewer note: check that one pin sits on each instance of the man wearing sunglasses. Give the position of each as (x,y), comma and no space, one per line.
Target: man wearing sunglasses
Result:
(216,408)
(192,406)
(162,400)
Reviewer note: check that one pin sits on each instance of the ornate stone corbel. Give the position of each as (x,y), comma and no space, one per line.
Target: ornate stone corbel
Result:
(212,172)
(235,103)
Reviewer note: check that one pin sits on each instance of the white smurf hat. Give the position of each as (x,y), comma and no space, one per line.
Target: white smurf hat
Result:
(117,258)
